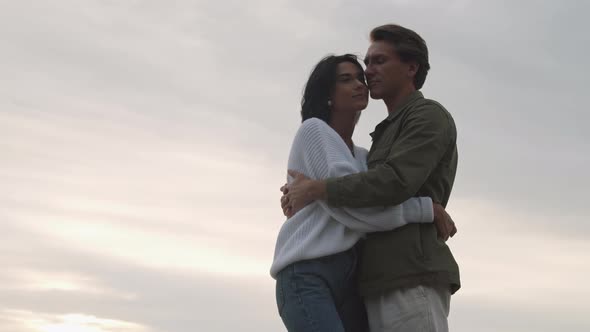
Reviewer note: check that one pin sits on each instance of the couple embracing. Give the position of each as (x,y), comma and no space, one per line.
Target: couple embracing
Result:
(364,245)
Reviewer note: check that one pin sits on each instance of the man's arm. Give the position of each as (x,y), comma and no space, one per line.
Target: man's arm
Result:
(425,138)
(444,224)
(427,134)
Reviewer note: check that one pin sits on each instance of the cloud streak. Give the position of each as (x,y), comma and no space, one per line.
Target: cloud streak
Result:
(143,146)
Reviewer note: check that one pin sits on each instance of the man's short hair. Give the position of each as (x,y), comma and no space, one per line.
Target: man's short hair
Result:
(409,46)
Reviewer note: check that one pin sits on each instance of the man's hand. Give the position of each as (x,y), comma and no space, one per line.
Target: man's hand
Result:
(445,226)
(300,193)
(287,211)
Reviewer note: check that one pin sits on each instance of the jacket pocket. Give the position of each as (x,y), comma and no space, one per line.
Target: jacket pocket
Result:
(416,239)
(389,255)
(430,242)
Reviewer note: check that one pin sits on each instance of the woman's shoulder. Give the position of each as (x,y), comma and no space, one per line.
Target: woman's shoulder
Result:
(314,129)
(360,149)
(314,124)
(360,152)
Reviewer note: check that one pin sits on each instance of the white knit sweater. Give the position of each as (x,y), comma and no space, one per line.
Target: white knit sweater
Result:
(318,229)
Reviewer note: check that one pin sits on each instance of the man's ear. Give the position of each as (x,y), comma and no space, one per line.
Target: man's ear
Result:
(413,68)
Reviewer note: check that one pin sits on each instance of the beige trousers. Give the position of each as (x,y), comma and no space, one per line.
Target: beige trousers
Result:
(418,309)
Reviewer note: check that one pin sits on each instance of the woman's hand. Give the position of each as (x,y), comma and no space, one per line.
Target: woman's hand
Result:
(445,226)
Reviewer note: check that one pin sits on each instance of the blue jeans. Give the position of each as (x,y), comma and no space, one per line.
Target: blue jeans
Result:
(320,295)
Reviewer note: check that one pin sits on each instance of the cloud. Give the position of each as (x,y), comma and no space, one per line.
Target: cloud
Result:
(160,299)
(143,145)
(66,323)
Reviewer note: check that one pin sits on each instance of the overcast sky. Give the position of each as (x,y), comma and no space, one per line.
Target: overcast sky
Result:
(143,143)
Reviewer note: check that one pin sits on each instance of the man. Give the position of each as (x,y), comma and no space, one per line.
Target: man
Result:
(407,275)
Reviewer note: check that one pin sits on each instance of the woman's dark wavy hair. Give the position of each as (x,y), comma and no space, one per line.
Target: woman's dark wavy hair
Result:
(320,84)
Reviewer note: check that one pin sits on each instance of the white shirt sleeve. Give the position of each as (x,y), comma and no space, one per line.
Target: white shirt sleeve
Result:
(324,155)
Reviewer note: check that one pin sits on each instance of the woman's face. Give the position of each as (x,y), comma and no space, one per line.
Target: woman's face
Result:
(350,92)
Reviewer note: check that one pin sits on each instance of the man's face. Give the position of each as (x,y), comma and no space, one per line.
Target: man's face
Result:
(386,74)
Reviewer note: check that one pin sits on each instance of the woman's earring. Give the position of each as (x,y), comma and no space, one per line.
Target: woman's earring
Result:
(329,103)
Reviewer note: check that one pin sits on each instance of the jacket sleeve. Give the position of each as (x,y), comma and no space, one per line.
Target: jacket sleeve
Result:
(426,135)
(322,155)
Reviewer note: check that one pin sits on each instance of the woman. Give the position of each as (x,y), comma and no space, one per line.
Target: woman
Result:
(316,253)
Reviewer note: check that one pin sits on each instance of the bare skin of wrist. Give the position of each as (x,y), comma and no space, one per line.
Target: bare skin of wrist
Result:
(319,190)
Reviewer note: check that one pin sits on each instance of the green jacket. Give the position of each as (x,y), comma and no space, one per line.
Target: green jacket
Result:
(414,153)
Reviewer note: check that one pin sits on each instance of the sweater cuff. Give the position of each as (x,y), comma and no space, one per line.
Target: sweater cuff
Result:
(427,208)
(333,192)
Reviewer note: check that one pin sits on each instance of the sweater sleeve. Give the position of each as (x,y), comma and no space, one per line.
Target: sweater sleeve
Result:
(324,155)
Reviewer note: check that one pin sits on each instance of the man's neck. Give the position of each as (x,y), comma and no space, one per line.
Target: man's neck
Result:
(344,125)
(393,102)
